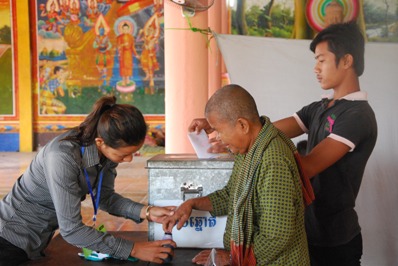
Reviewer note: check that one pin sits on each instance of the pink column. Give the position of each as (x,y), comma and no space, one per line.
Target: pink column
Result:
(186,75)
(215,58)
(225,18)
(225,29)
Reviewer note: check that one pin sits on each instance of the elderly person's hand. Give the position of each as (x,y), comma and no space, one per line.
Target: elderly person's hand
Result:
(181,215)
(222,257)
(201,123)
(198,124)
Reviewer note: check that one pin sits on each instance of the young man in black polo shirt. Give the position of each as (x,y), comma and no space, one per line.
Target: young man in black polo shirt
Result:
(342,132)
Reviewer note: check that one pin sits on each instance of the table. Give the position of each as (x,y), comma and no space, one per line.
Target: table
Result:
(59,252)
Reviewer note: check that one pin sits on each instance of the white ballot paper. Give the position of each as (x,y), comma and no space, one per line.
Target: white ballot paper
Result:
(200,143)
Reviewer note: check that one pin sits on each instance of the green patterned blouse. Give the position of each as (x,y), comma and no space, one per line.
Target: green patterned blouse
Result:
(278,232)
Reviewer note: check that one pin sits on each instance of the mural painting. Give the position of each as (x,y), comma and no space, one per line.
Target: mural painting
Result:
(9,124)
(300,19)
(6,57)
(89,48)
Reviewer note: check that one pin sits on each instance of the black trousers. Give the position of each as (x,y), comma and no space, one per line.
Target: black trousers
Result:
(11,255)
(345,255)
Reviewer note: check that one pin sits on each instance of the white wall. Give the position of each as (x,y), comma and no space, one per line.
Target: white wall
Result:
(279,74)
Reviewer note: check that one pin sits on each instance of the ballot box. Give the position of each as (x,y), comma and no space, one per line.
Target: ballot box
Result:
(173,178)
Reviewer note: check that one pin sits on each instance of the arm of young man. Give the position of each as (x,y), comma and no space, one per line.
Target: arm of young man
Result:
(289,127)
(323,155)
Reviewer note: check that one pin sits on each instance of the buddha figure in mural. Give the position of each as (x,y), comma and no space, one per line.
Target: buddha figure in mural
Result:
(87,70)
(126,51)
(334,13)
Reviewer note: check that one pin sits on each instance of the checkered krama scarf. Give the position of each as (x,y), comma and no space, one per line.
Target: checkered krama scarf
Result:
(242,250)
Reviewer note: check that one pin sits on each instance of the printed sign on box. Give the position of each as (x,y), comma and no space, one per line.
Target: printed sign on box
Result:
(201,230)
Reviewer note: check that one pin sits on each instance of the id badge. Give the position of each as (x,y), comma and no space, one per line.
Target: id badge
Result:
(90,255)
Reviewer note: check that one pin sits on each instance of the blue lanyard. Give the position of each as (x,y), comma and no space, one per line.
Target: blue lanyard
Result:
(90,189)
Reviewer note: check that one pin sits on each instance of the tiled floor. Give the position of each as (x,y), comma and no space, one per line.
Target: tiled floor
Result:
(132,182)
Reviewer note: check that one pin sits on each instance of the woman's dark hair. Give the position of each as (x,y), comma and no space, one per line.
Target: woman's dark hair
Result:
(342,39)
(119,125)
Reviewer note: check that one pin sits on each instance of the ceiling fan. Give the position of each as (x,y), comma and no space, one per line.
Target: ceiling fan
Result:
(190,7)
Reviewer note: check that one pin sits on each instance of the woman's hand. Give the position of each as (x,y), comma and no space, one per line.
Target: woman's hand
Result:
(153,251)
(158,214)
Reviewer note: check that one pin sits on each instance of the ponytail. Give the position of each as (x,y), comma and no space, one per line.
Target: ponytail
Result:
(118,124)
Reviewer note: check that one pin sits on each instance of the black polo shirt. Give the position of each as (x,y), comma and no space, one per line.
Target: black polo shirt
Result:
(331,220)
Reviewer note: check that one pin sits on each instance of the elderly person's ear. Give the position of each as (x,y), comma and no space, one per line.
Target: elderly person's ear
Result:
(243,125)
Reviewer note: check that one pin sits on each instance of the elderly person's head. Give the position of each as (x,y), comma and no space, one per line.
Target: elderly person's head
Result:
(232,113)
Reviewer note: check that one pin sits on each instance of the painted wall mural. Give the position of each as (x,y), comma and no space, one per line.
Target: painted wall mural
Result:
(302,19)
(9,124)
(6,58)
(84,49)
(89,48)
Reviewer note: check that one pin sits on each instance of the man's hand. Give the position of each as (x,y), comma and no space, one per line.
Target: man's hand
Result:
(153,251)
(222,257)
(181,215)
